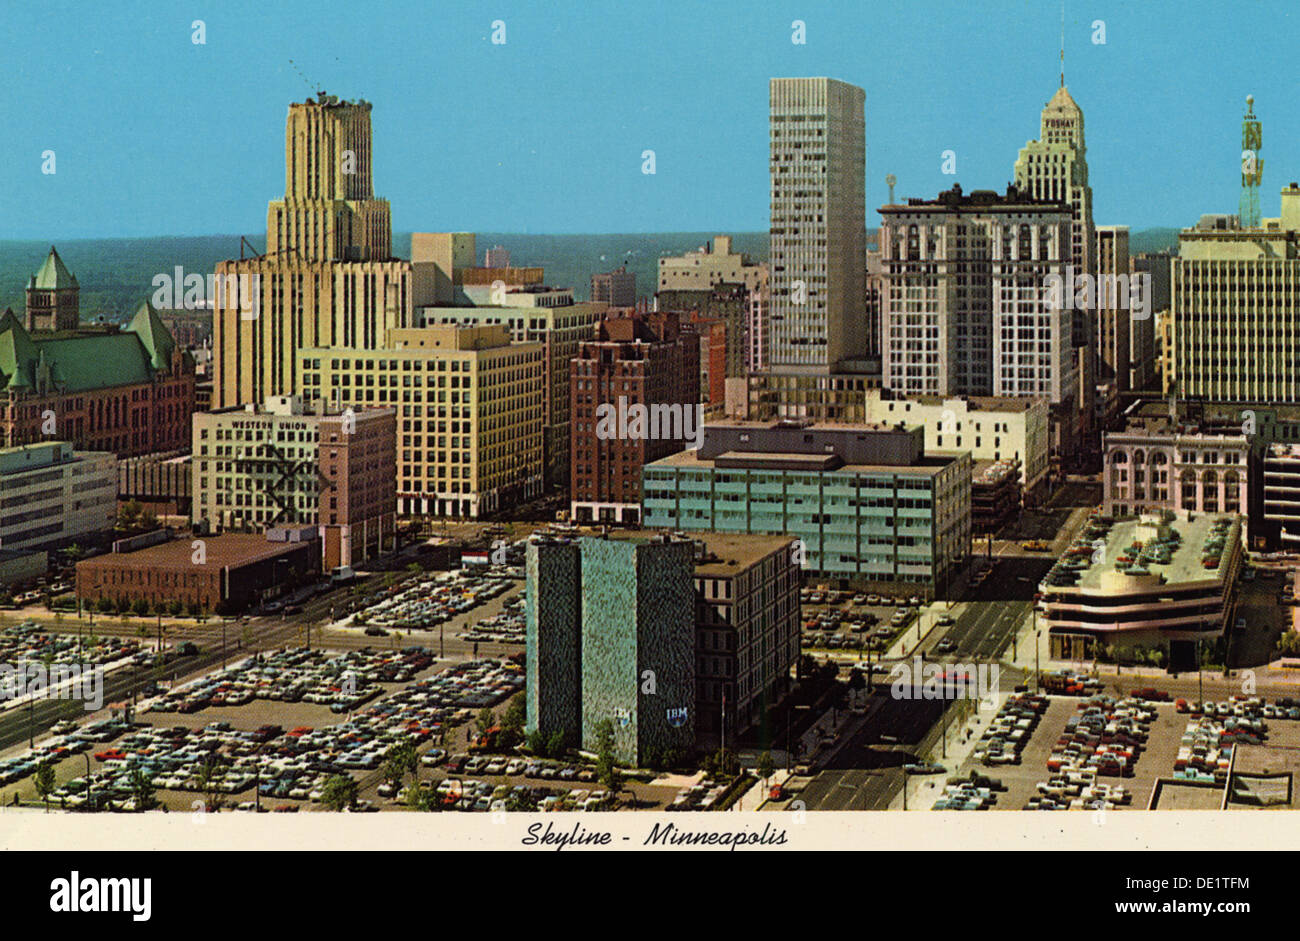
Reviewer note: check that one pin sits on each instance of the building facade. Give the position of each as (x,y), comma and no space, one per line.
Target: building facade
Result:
(53,297)
(327,277)
(616,288)
(637,365)
(1231,289)
(285,464)
(553,319)
(470,404)
(991,429)
(869,507)
(127,391)
(51,495)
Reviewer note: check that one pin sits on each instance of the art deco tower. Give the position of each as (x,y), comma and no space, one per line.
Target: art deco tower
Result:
(327,278)
(329,211)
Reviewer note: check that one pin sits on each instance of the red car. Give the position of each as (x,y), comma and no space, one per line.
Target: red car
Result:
(1150,694)
(109,754)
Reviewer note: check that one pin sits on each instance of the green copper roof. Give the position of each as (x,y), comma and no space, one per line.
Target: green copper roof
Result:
(54,274)
(84,363)
(157,339)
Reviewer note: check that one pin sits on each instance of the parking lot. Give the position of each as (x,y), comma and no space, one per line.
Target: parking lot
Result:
(469,604)
(842,620)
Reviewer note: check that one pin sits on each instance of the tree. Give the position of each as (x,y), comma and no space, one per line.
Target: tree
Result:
(516,714)
(1289,643)
(857,683)
(142,788)
(339,792)
(208,780)
(537,742)
(140,607)
(766,767)
(486,720)
(555,745)
(606,770)
(105,605)
(399,761)
(175,608)
(44,781)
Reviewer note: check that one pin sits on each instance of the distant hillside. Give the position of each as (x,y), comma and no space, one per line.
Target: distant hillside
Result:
(117,274)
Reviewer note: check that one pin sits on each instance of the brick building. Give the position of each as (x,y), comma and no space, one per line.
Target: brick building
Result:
(128,391)
(218,574)
(638,365)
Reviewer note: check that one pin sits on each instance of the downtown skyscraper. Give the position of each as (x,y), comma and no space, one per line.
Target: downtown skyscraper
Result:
(327,278)
(818,229)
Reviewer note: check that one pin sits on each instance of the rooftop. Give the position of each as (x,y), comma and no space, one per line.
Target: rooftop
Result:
(227,549)
(928,466)
(1185,560)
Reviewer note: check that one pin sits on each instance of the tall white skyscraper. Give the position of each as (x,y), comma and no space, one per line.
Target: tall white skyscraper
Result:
(818,234)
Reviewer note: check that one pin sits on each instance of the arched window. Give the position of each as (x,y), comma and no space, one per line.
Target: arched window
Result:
(1210,492)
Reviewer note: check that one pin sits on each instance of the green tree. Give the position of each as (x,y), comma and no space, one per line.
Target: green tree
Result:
(176,608)
(140,607)
(766,767)
(44,781)
(537,742)
(555,745)
(486,720)
(105,605)
(606,770)
(142,789)
(339,792)
(399,761)
(516,714)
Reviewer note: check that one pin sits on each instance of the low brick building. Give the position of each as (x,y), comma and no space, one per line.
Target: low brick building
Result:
(222,574)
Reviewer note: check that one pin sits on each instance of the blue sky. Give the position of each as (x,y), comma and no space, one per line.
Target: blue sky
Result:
(155,135)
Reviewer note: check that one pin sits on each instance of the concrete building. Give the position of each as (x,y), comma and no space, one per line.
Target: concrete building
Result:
(536,314)
(818,228)
(616,288)
(709,266)
(1115,319)
(871,509)
(223,574)
(680,643)
(51,495)
(1143,346)
(638,625)
(725,301)
(966,304)
(469,432)
(327,277)
(746,633)
(635,397)
(53,297)
(991,429)
(127,391)
(1055,168)
(995,497)
(1165,355)
(162,483)
(285,464)
(1231,287)
(436,257)
(1281,485)
(1157,582)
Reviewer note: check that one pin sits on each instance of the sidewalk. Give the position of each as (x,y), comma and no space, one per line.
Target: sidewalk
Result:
(923,790)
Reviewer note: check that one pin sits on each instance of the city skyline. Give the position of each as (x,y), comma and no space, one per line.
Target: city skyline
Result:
(579,167)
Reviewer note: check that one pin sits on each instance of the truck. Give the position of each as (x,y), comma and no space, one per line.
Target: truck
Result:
(342,575)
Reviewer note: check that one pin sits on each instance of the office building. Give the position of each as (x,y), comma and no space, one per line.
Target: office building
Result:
(327,277)
(965,304)
(991,429)
(286,464)
(679,643)
(1231,289)
(1174,462)
(535,314)
(870,507)
(635,397)
(470,410)
(52,496)
(496,257)
(616,288)
(818,228)
(1115,317)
